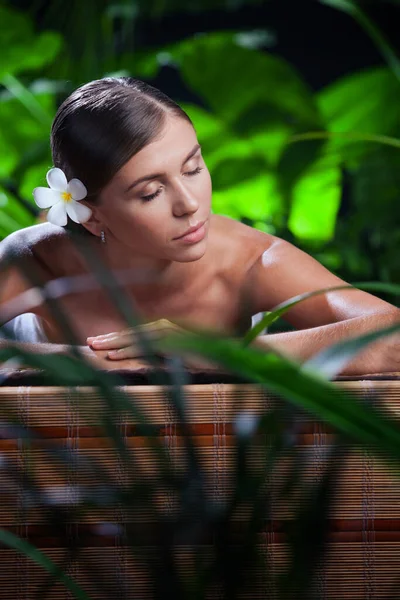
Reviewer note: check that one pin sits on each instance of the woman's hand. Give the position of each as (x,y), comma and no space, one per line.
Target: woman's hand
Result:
(100,360)
(126,344)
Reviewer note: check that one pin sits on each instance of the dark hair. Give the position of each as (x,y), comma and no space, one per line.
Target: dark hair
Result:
(102,124)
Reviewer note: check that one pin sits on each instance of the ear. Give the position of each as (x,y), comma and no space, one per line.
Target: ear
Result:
(95,224)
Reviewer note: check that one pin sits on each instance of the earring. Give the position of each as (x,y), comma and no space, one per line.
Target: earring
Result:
(103,237)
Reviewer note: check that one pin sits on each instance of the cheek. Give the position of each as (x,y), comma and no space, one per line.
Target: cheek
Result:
(209,178)
(208,186)
(139,224)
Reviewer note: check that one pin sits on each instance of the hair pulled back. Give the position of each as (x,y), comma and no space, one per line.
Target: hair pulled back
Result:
(105,122)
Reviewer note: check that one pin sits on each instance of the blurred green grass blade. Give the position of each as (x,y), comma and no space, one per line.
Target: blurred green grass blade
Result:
(354,9)
(332,360)
(25,548)
(267,320)
(309,530)
(255,492)
(68,371)
(301,387)
(79,372)
(122,304)
(281,309)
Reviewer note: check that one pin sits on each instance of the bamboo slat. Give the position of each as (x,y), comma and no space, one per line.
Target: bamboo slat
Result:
(363,558)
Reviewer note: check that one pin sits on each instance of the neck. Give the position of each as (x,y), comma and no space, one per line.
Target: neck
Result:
(140,271)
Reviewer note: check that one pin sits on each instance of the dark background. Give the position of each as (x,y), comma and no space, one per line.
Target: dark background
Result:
(323,43)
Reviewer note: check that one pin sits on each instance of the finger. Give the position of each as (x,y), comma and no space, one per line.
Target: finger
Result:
(125,334)
(128,352)
(113,343)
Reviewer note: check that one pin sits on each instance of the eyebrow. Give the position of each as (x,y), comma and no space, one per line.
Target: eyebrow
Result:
(158,175)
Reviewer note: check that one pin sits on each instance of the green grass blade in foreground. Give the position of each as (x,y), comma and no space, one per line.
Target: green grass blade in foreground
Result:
(122,304)
(67,371)
(308,532)
(25,548)
(303,388)
(284,307)
(332,360)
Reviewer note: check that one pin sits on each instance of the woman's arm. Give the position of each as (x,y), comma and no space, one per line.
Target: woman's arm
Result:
(98,358)
(379,357)
(282,272)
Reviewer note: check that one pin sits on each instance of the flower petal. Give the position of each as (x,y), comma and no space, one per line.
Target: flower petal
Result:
(77,189)
(57,180)
(57,214)
(78,212)
(45,198)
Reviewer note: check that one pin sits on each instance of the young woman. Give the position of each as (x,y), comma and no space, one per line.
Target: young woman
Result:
(140,192)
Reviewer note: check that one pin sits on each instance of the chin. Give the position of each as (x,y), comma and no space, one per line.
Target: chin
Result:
(192,253)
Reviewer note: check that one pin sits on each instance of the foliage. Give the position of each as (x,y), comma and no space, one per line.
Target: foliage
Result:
(310,167)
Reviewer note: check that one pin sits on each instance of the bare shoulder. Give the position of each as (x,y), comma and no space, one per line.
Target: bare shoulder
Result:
(32,237)
(43,242)
(240,244)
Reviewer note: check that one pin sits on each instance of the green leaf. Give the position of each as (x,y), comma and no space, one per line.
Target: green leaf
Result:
(34,176)
(208,126)
(230,95)
(272,316)
(333,360)
(13,215)
(27,98)
(21,48)
(362,103)
(304,388)
(28,550)
(255,199)
(354,102)
(8,155)
(315,202)
(20,128)
(243,186)
(374,198)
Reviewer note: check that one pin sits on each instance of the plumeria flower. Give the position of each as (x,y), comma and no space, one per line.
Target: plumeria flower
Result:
(63,197)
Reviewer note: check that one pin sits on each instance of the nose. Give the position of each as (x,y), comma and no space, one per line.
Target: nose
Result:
(184,200)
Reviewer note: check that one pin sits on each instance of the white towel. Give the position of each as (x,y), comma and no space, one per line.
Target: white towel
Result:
(256,319)
(26,328)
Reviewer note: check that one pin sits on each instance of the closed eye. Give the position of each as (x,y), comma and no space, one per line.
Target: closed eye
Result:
(197,170)
(152,196)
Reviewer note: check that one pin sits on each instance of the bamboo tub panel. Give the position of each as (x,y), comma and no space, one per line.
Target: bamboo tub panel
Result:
(364,551)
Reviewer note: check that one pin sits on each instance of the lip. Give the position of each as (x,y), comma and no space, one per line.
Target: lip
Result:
(193,234)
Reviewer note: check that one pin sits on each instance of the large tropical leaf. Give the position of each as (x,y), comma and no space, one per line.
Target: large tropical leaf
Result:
(247,76)
(315,200)
(365,102)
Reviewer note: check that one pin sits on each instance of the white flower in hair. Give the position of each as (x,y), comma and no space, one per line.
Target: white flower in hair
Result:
(63,197)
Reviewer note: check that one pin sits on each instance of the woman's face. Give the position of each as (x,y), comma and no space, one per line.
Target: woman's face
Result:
(158,195)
